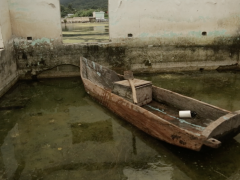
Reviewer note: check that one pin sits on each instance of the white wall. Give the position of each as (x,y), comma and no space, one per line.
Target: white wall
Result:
(35,18)
(19,19)
(8,67)
(5,23)
(167,19)
(1,39)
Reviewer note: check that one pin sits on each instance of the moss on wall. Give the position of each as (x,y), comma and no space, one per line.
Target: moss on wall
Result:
(44,54)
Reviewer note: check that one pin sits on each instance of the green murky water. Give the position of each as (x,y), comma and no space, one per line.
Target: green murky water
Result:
(220,89)
(63,134)
(85,32)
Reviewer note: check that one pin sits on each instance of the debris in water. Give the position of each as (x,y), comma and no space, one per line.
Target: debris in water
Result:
(52,121)
(58,98)
(36,114)
(16,103)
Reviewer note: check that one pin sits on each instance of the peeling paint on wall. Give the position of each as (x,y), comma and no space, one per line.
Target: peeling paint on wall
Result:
(23,43)
(32,60)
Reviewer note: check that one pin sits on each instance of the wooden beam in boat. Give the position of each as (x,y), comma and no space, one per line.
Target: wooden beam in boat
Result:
(128,75)
(81,58)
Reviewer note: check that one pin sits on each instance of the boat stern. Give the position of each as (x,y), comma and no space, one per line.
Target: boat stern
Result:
(223,128)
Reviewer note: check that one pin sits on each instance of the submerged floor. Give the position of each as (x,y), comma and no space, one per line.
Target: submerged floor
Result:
(85,32)
(62,133)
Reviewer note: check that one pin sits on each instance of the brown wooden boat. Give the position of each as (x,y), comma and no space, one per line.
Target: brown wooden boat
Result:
(159,116)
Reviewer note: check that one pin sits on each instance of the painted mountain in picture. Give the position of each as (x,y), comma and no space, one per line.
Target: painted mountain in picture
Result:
(86,4)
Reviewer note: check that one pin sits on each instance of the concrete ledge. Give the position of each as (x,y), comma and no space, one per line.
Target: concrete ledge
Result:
(33,60)
(59,75)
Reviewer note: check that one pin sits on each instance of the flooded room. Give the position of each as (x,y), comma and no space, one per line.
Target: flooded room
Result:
(119,90)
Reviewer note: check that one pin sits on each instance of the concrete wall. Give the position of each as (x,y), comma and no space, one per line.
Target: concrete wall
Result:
(40,20)
(8,68)
(176,22)
(1,39)
(167,36)
(5,22)
(36,19)
(30,23)
(176,35)
(148,59)
(34,61)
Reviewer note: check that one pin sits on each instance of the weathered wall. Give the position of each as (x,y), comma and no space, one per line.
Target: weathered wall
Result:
(54,61)
(33,58)
(5,21)
(167,36)
(36,19)
(37,31)
(8,68)
(178,22)
(178,34)
(35,23)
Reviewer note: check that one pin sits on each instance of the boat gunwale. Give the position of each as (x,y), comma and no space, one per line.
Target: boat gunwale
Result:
(192,99)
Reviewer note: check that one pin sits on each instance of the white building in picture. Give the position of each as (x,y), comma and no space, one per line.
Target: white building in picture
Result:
(99,15)
(69,15)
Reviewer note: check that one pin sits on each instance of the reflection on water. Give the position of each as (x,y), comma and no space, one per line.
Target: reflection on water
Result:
(98,131)
(74,27)
(85,32)
(219,89)
(62,133)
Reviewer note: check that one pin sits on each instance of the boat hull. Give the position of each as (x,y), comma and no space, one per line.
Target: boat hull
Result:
(145,120)
(98,82)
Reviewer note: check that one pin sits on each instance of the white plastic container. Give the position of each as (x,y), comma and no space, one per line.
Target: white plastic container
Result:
(187,114)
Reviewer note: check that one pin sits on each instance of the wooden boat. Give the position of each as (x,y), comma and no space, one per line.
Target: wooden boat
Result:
(159,118)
